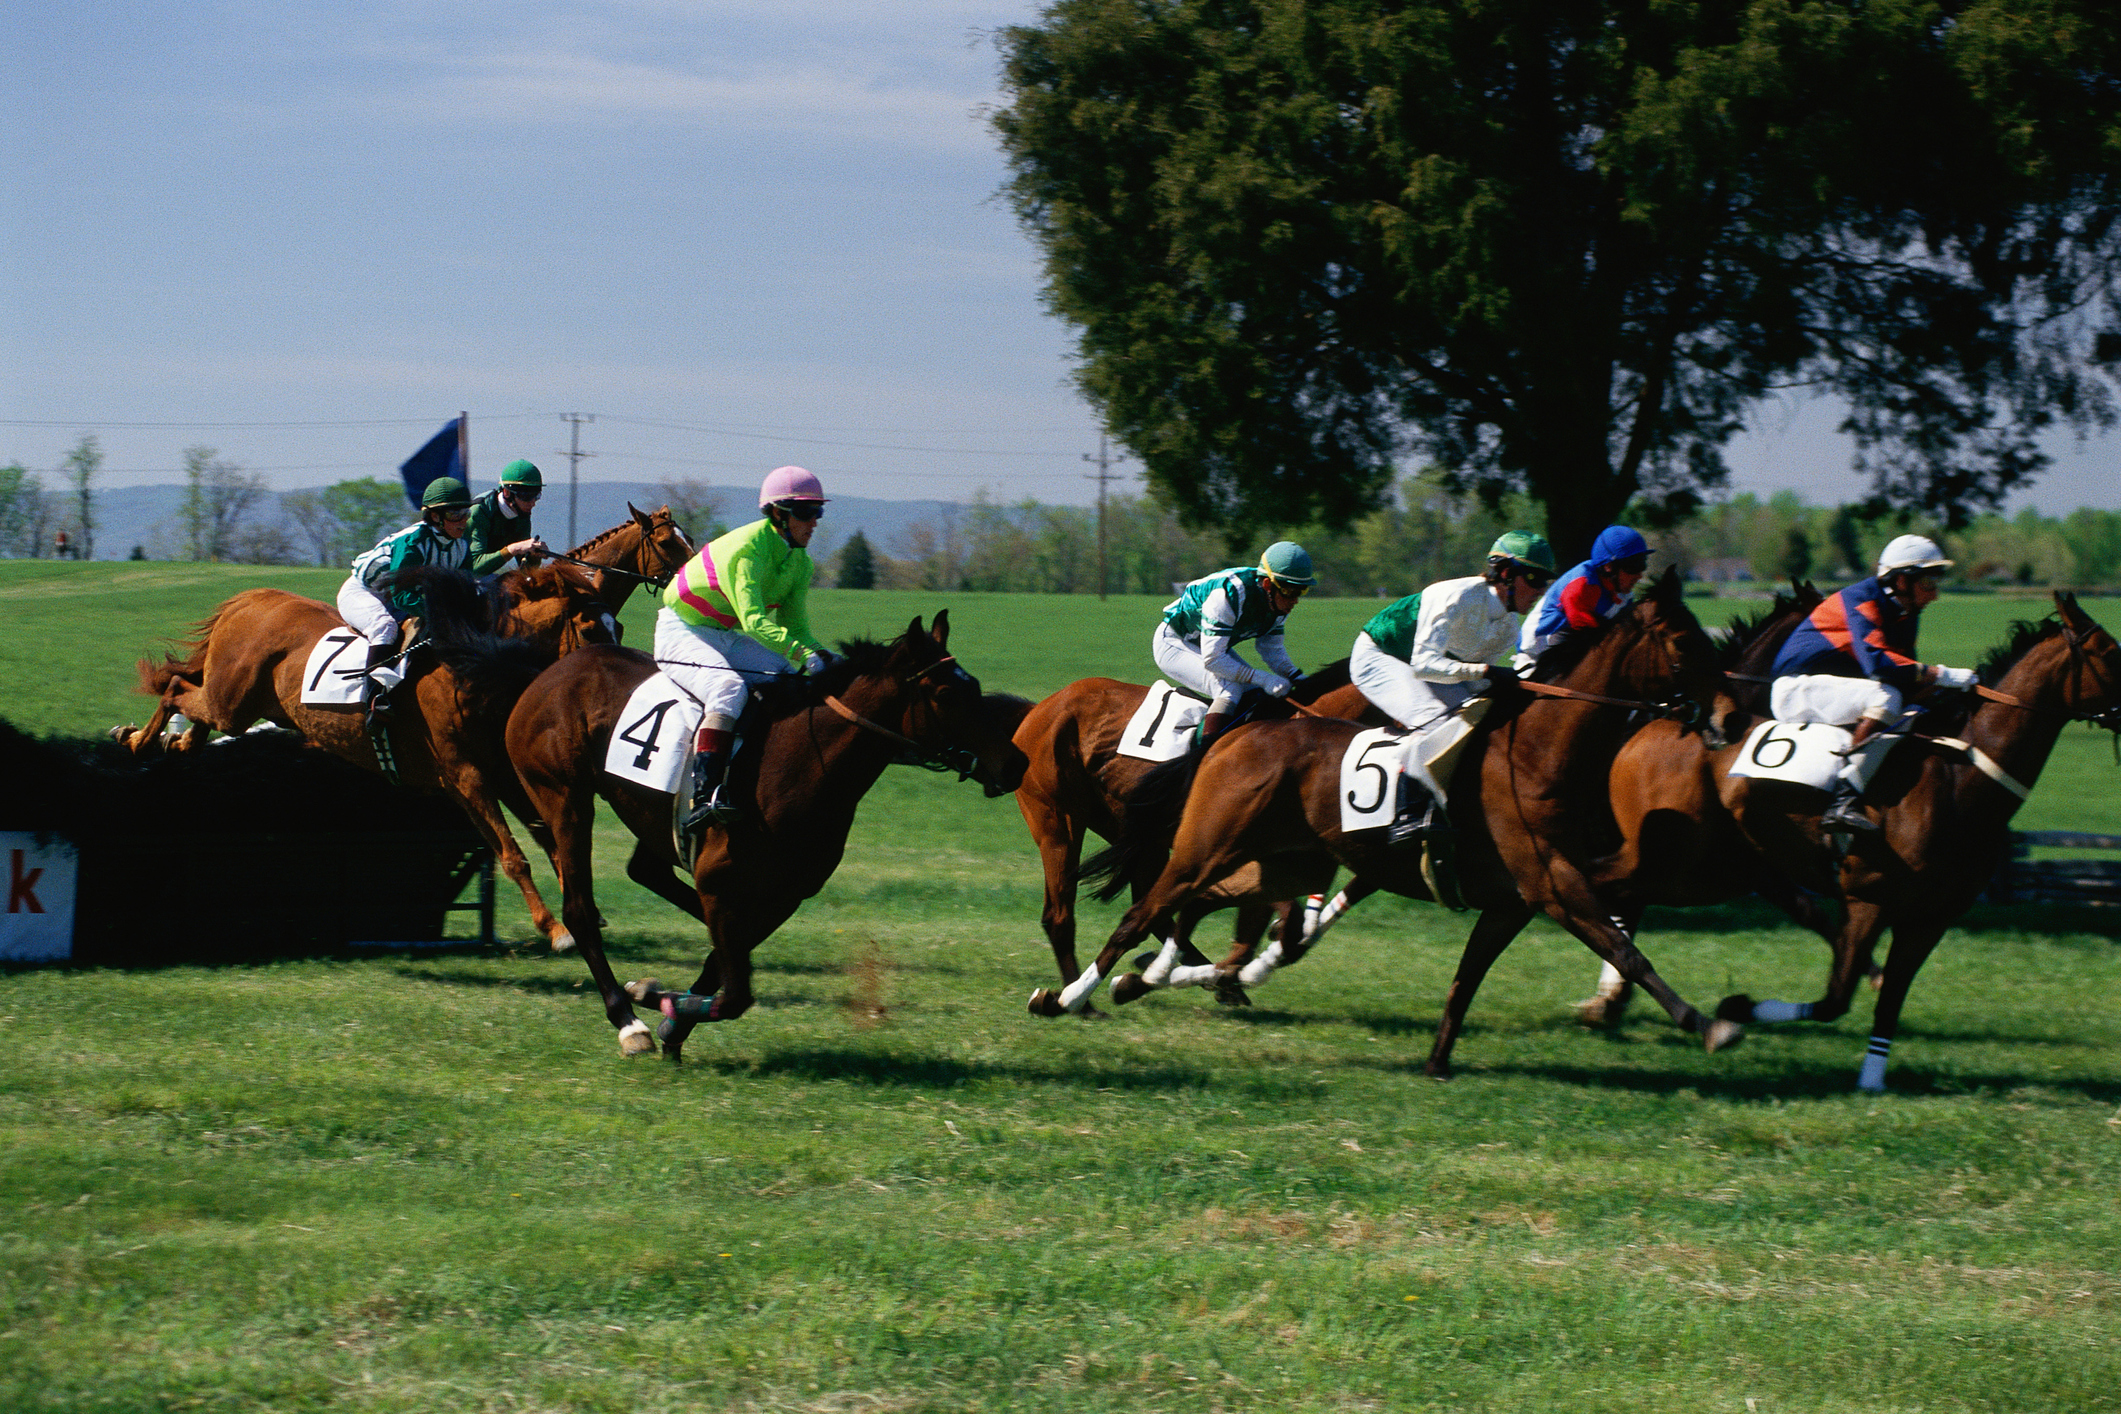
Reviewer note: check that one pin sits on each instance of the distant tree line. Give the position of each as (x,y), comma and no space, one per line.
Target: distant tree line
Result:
(1427,532)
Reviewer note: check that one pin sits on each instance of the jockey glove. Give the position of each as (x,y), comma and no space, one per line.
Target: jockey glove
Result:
(1960,678)
(1501,674)
(1273,684)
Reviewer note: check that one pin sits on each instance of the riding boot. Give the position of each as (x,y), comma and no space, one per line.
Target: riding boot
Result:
(1406,826)
(1846,812)
(380,681)
(710,764)
(1211,726)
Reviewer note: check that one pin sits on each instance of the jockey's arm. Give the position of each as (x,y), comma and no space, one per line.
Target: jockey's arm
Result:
(771,625)
(1276,656)
(1430,655)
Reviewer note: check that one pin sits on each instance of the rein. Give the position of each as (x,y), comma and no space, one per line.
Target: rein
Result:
(1678,709)
(659,581)
(912,753)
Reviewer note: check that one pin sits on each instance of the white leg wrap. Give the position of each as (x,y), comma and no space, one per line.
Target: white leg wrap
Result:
(1782,1011)
(1260,968)
(1321,914)
(1076,994)
(1199,976)
(1872,1076)
(1158,972)
(1609,979)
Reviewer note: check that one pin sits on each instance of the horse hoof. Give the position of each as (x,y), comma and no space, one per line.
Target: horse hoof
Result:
(1129,985)
(643,990)
(1736,1008)
(1142,961)
(1437,1072)
(1599,1013)
(1046,1002)
(636,1040)
(563,941)
(1228,991)
(1721,1035)
(123,735)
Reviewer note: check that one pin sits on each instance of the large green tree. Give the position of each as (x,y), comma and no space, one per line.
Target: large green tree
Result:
(1561,246)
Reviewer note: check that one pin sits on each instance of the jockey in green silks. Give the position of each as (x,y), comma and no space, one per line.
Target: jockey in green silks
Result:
(368,604)
(1192,646)
(500,521)
(741,606)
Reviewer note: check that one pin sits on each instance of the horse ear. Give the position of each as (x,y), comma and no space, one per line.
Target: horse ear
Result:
(913,630)
(941,630)
(640,517)
(2066,605)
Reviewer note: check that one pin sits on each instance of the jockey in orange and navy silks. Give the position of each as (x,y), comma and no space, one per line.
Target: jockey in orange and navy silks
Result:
(1852,663)
(741,607)
(1589,594)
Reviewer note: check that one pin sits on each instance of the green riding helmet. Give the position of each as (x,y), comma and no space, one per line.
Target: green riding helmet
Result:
(1286,562)
(522,473)
(1522,547)
(445,493)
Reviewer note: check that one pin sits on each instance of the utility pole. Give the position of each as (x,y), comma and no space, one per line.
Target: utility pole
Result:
(574,464)
(1103,462)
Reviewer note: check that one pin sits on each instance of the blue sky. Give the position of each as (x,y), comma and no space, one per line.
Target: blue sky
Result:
(740,234)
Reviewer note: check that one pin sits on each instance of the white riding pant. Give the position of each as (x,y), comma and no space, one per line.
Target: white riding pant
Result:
(712,664)
(1835,701)
(1394,690)
(365,613)
(1182,663)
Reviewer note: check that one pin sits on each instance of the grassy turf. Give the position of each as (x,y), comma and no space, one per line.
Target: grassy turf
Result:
(416,1182)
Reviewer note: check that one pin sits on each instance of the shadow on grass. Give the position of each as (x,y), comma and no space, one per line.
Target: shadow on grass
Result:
(944,1073)
(2061,923)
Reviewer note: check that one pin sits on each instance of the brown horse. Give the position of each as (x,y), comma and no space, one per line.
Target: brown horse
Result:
(1077,784)
(1263,820)
(1944,803)
(823,742)
(647,549)
(246,663)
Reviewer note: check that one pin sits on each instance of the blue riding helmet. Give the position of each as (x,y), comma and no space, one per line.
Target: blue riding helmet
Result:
(1617,542)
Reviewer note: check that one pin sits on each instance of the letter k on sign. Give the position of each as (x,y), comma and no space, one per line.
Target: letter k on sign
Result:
(22,884)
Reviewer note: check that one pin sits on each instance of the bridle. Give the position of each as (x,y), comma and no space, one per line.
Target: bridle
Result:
(960,759)
(2107,718)
(659,581)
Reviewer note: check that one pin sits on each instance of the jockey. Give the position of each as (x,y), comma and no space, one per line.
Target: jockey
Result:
(1852,663)
(1591,593)
(1420,656)
(368,604)
(1192,646)
(500,521)
(741,606)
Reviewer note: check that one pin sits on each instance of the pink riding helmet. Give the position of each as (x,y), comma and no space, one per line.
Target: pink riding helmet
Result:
(789,483)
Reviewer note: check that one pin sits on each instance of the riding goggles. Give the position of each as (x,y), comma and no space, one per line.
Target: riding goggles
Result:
(802,510)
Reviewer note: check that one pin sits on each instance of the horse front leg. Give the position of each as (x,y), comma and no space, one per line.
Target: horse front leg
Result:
(1913,941)
(569,809)
(722,992)
(1854,948)
(1607,1006)
(466,783)
(651,868)
(1492,932)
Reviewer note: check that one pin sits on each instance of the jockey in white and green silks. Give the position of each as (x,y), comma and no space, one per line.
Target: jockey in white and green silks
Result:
(1192,646)
(367,602)
(741,606)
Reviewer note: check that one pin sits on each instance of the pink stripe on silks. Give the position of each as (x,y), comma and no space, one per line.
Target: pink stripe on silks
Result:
(699,605)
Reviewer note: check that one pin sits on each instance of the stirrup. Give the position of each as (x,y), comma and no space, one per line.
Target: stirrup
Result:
(1407,829)
(1846,814)
(714,810)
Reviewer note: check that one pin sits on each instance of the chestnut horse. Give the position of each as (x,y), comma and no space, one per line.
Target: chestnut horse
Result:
(245,665)
(1944,803)
(825,740)
(1262,819)
(1077,784)
(647,549)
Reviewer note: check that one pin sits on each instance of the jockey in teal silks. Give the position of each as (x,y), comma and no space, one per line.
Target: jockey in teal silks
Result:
(368,604)
(741,606)
(1852,663)
(1192,646)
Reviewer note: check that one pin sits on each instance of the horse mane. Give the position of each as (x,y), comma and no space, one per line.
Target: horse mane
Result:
(457,604)
(2025,635)
(1566,655)
(1330,677)
(1740,633)
(599,538)
(790,693)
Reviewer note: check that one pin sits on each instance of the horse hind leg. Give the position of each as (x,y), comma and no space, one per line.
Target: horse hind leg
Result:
(1607,1006)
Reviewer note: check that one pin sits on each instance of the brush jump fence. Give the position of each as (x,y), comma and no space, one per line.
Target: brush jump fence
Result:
(2023,879)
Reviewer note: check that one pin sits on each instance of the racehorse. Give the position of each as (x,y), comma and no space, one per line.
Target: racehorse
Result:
(824,741)
(1263,817)
(647,549)
(1077,783)
(1945,807)
(247,660)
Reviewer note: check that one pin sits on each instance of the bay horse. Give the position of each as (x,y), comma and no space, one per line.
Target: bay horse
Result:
(1262,818)
(1944,805)
(826,740)
(245,664)
(1077,784)
(646,549)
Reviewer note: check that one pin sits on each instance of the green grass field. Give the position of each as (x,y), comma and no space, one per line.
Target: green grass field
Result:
(420,1182)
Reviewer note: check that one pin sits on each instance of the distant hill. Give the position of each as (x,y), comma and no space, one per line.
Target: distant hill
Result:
(147,516)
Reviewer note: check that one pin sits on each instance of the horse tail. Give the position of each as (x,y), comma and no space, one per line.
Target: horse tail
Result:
(1146,828)
(156,675)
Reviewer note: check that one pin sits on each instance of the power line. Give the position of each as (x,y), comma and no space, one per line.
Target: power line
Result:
(97,422)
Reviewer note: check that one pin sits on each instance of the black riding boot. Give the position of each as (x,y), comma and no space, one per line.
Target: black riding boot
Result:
(1847,813)
(378,694)
(710,764)
(1407,826)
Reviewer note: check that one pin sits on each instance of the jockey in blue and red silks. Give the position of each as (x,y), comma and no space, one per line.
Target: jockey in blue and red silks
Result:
(1852,663)
(1589,594)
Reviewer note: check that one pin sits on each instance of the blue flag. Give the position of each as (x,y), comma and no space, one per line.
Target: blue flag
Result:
(442,456)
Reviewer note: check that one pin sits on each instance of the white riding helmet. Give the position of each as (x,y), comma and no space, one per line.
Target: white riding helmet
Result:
(1911,552)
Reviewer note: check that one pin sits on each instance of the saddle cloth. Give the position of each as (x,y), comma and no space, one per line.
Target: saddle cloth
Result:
(335,673)
(1161,729)
(1376,759)
(654,736)
(1802,753)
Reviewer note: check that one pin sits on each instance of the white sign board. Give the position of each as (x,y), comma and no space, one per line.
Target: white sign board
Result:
(654,735)
(1369,779)
(38,924)
(334,674)
(1161,729)
(1805,753)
